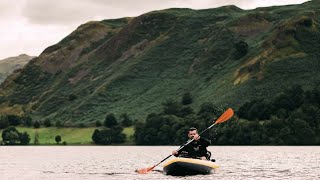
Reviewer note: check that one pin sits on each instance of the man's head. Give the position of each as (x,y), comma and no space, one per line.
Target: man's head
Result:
(192,132)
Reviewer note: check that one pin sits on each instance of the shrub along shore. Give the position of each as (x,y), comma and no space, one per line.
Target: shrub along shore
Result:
(69,135)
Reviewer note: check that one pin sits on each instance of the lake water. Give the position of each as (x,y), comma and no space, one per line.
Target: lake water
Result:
(119,162)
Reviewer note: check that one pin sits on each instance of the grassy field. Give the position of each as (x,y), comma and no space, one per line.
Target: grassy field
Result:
(72,136)
(129,131)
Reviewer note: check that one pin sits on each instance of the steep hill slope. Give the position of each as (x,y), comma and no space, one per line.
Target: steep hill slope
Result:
(225,55)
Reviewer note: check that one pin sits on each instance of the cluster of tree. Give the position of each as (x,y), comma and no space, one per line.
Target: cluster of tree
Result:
(11,136)
(281,105)
(291,117)
(270,132)
(111,120)
(170,127)
(108,136)
(112,132)
(14,120)
(27,121)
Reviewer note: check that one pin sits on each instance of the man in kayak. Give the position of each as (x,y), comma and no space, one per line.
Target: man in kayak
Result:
(196,149)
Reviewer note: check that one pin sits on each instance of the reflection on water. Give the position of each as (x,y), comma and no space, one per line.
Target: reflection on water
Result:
(119,162)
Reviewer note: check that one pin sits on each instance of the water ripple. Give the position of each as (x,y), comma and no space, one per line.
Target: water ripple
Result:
(119,162)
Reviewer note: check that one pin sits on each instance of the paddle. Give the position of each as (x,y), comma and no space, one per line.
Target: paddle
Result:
(224,117)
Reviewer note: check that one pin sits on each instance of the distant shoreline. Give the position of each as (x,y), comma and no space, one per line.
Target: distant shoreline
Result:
(78,136)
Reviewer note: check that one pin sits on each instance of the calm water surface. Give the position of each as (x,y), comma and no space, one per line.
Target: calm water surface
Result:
(119,162)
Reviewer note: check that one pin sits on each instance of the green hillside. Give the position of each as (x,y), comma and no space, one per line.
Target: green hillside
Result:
(8,65)
(225,55)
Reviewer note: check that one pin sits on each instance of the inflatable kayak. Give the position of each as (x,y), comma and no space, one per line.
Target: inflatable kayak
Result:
(188,166)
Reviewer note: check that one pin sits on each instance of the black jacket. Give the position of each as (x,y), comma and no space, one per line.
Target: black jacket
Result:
(195,149)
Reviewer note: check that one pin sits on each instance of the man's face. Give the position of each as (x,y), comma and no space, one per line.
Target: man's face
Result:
(191,134)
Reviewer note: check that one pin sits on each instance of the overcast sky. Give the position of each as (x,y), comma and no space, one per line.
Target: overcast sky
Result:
(29,26)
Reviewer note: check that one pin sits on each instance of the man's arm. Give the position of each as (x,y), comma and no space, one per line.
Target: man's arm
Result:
(205,142)
(177,153)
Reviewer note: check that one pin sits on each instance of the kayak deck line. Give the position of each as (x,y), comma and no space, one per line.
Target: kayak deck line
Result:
(193,161)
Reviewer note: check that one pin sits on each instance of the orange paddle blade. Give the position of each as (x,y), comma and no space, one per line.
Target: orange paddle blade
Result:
(225,116)
(145,170)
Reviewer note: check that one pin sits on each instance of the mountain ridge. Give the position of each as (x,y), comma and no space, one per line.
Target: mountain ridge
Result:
(132,65)
(8,65)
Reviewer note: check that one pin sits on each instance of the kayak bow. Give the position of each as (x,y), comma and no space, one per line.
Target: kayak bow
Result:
(188,166)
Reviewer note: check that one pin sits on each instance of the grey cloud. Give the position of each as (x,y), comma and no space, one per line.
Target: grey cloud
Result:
(57,12)
(66,12)
(4,7)
(7,9)
(136,5)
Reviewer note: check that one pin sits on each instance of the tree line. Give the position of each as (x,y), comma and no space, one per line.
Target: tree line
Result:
(27,121)
(11,136)
(111,132)
(291,117)
(170,126)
